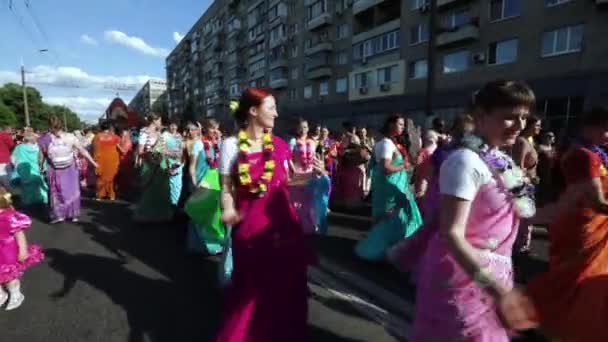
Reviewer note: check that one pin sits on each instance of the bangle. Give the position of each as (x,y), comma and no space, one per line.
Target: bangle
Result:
(483,278)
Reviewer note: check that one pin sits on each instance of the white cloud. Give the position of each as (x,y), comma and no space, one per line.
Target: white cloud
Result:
(89,108)
(135,43)
(91,94)
(86,39)
(177,37)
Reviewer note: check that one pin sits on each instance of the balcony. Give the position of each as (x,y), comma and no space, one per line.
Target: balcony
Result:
(324,72)
(376,31)
(280,62)
(278,41)
(320,47)
(464,33)
(441,4)
(362,5)
(319,21)
(278,83)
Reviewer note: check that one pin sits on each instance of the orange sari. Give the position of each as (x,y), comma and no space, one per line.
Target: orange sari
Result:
(105,147)
(571,299)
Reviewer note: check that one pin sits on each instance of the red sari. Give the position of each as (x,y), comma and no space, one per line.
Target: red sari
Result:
(571,299)
(125,169)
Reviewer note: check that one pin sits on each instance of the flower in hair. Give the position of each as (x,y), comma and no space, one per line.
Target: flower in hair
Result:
(234,106)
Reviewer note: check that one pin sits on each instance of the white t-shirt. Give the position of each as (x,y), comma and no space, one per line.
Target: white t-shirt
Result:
(384,149)
(229,151)
(462,174)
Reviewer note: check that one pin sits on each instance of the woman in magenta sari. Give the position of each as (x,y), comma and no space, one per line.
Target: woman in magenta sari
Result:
(266,300)
(467,267)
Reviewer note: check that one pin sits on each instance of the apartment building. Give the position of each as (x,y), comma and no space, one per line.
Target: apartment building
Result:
(336,60)
(152,97)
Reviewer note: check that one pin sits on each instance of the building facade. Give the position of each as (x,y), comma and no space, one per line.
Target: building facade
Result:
(359,60)
(152,97)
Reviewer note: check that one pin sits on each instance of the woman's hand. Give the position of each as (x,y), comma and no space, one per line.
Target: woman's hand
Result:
(230,217)
(318,166)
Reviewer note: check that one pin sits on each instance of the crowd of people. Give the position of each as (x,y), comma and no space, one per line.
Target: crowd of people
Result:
(452,212)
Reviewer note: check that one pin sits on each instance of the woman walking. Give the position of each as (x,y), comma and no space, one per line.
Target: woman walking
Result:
(106,146)
(303,152)
(394,209)
(467,266)
(154,205)
(175,157)
(126,161)
(267,298)
(27,175)
(57,150)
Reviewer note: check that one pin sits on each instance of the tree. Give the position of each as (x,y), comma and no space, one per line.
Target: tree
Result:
(7,116)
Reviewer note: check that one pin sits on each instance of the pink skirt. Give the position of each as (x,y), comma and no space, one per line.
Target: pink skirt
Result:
(10,267)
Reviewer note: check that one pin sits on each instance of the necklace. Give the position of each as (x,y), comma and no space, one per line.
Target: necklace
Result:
(259,186)
(212,152)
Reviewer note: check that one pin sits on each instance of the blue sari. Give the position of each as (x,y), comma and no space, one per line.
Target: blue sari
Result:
(390,194)
(26,175)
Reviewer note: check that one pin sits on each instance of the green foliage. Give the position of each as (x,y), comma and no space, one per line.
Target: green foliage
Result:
(11,95)
(7,116)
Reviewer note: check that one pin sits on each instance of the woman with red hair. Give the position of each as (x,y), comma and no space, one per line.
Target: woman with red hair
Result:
(266,299)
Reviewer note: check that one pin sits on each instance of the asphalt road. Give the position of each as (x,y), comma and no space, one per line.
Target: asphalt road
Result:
(108,279)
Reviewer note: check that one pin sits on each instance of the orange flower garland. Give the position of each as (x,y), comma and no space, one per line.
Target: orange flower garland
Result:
(261,185)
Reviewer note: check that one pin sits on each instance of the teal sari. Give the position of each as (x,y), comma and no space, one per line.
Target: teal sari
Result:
(154,205)
(176,166)
(26,175)
(394,210)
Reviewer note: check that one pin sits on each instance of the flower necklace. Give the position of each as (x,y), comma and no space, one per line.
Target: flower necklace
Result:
(305,154)
(260,186)
(212,162)
(401,150)
(510,175)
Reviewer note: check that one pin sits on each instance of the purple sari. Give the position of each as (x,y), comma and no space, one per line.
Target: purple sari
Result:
(64,189)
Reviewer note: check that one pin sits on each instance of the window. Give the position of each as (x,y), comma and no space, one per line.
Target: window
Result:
(294,73)
(503,9)
(550,3)
(343,31)
(318,7)
(308,92)
(293,94)
(341,85)
(456,62)
(364,79)
(342,58)
(377,45)
(259,65)
(457,19)
(417,4)
(277,33)
(419,34)
(563,40)
(294,51)
(324,88)
(277,74)
(503,52)
(418,69)
(388,74)
(342,5)
(234,90)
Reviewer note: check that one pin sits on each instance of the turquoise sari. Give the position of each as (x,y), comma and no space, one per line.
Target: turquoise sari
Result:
(26,175)
(176,166)
(394,210)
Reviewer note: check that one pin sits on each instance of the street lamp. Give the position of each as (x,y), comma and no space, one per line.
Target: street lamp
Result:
(25,106)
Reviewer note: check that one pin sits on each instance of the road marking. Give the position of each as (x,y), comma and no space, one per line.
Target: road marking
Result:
(396,326)
(380,295)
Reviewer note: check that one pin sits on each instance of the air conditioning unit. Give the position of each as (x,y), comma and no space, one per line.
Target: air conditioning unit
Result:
(479,58)
(363,90)
(385,87)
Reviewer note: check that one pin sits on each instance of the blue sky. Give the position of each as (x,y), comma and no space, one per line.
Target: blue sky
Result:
(92,44)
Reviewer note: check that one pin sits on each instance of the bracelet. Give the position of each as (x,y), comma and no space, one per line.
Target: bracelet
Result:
(482,278)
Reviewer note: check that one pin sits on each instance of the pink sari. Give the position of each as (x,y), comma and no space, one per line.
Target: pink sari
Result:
(450,306)
(302,195)
(267,299)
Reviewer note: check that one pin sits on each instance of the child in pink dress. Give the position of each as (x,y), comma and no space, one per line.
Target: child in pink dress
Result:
(15,254)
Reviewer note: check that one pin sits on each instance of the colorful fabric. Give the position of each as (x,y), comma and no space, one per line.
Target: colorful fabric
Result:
(105,147)
(64,190)
(11,222)
(26,175)
(450,306)
(154,204)
(570,299)
(174,146)
(267,296)
(393,209)
(126,164)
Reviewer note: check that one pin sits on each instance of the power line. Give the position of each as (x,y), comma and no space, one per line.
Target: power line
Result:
(19,19)
(41,30)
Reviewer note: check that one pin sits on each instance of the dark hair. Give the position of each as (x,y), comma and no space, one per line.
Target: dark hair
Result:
(386,128)
(597,116)
(531,121)
(251,97)
(152,117)
(104,125)
(501,94)
(299,122)
(54,123)
(459,124)
(438,125)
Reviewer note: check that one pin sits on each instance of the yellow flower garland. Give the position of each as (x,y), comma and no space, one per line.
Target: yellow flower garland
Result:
(261,186)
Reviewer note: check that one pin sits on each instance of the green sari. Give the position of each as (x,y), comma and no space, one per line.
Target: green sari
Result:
(394,210)
(154,204)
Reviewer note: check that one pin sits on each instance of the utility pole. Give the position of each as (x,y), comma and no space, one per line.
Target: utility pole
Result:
(25,107)
(431,57)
